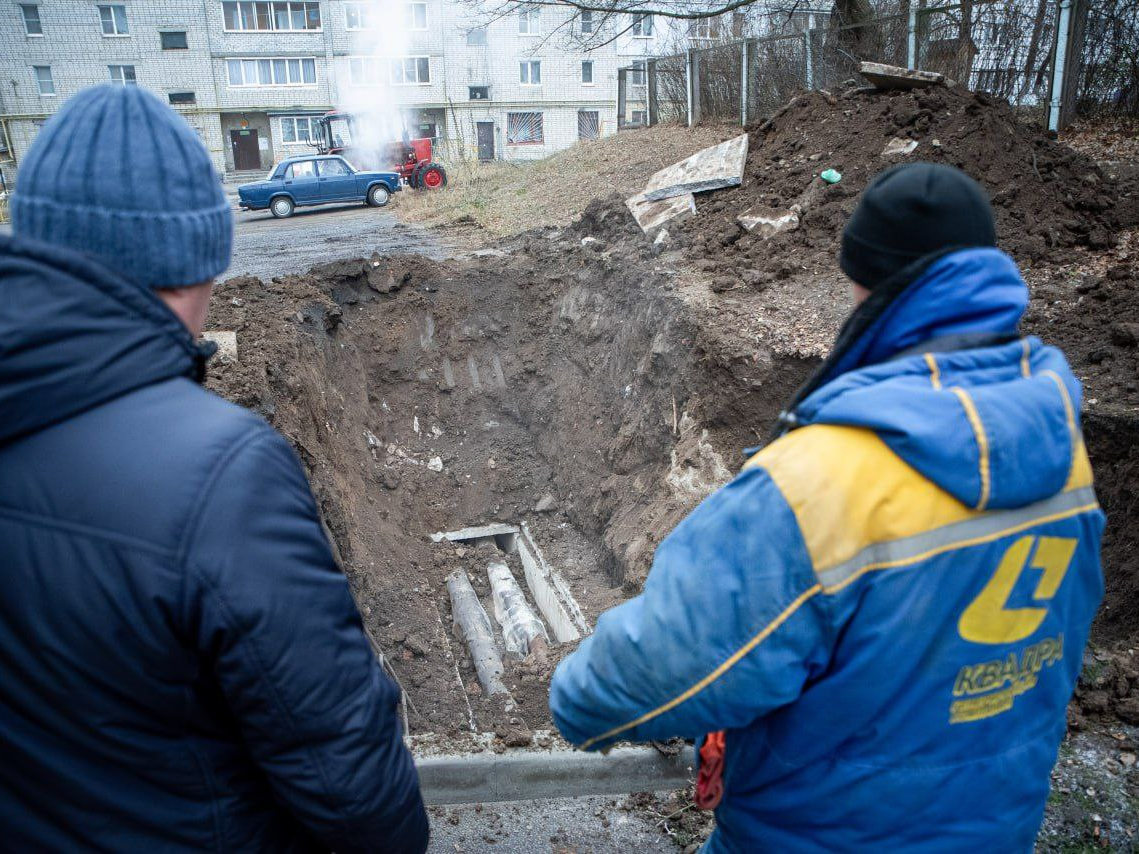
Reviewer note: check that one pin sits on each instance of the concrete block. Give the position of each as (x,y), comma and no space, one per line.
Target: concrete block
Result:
(768,221)
(711,169)
(899,147)
(227,345)
(896,77)
(652,215)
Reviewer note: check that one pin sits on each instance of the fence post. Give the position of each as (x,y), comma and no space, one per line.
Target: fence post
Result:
(622,95)
(652,115)
(807,49)
(912,37)
(1059,64)
(692,75)
(744,54)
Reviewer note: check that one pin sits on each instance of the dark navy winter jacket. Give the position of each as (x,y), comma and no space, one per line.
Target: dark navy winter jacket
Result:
(182,667)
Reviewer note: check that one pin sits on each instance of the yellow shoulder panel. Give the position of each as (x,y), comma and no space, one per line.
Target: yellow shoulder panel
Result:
(1081,473)
(848,490)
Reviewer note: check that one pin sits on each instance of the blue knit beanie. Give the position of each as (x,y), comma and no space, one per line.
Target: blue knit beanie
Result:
(118,174)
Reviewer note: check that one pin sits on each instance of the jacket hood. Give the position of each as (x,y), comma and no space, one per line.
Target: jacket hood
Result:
(74,334)
(995,426)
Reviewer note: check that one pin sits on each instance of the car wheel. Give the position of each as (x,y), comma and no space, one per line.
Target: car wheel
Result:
(433,177)
(282,207)
(379,196)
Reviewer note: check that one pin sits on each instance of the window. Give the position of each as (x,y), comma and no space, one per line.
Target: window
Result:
(173,41)
(476,37)
(410,70)
(268,17)
(177,98)
(44,80)
(299,130)
(637,74)
(122,74)
(336,166)
(588,124)
(479,93)
(32,25)
(530,72)
(360,16)
(524,129)
(530,21)
(415,16)
(114,20)
(637,117)
(587,72)
(301,169)
(643,26)
(277,71)
(586,22)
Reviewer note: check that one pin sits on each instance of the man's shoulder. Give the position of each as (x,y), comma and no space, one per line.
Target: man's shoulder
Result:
(136,466)
(848,490)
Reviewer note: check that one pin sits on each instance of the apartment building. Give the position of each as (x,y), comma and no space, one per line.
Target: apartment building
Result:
(251,76)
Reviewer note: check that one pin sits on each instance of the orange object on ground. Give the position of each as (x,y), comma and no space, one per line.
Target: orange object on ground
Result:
(710,780)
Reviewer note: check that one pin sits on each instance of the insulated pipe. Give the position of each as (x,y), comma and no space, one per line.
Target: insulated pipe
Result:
(522,631)
(471,620)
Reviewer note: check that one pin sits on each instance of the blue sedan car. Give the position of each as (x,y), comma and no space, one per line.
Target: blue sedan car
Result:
(316,180)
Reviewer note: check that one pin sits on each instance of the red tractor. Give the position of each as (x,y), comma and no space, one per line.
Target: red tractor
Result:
(411,158)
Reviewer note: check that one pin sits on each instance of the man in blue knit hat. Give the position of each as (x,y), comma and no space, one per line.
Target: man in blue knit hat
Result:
(874,630)
(181,663)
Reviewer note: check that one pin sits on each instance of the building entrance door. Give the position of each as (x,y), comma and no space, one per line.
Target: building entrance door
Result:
(246,154)
(486,140)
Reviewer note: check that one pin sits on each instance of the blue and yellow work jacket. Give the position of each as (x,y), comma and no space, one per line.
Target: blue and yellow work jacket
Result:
(885,611)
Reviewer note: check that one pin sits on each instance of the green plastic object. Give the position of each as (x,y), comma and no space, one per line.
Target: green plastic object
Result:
(831,176)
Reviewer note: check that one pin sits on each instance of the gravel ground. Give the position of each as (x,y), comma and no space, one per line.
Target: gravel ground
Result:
(596,825)
(264,246)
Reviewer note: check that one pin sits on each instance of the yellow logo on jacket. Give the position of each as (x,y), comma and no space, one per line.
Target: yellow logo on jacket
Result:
(988,619)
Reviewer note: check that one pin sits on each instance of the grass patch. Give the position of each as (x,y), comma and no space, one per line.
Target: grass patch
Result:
(506,198)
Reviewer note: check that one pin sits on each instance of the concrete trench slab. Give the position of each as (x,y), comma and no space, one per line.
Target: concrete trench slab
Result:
(895,77)
(525,775)
(713,168)
(651,215)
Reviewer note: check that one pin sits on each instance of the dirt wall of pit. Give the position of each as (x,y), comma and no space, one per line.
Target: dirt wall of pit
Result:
(560,385)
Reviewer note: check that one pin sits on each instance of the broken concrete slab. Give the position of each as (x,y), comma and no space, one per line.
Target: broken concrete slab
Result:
(768,221)
(477,533)
(226,343)
(711,169)
(652,215)
(895,77)
(899,147)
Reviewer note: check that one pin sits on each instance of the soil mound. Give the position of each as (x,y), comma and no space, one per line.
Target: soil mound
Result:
(1046,196)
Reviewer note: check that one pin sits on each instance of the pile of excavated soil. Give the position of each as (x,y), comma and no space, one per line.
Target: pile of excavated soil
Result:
(1047,197)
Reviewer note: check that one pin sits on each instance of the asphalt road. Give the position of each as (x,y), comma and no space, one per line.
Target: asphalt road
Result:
(264,246)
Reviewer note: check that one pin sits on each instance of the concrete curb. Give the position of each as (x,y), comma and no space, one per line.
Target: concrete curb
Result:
(483,778)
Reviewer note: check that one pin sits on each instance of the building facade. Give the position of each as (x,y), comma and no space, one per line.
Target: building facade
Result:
(251,76)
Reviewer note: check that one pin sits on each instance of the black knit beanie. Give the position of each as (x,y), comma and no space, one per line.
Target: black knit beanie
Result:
(910,211)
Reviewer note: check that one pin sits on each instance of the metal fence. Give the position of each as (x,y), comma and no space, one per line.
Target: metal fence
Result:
(1009,48)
